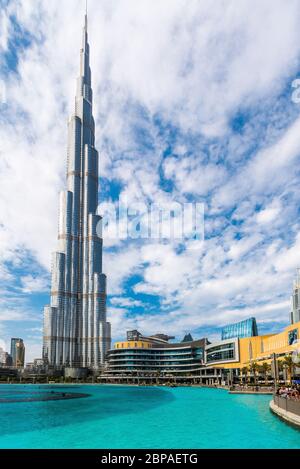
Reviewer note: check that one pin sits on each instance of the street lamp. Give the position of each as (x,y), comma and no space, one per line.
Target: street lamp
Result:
(275,371)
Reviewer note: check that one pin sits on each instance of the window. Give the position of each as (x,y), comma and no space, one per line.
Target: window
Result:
(221,353)
(292,336)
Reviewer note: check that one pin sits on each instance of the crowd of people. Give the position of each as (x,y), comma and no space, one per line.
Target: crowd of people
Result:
(291,392)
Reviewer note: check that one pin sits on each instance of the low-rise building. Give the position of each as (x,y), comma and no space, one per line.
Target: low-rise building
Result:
(144,358)
(234,355)
(154,356)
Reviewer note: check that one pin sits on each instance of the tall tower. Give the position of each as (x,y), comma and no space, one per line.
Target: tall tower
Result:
(76,333)
(295,300)
(17,352)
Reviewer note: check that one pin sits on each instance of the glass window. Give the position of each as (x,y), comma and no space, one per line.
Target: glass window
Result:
(221,353)
(292,336)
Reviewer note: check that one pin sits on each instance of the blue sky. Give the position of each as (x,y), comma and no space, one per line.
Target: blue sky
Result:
(192,101)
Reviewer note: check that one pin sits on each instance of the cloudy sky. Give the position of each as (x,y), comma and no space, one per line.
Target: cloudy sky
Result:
(193,103)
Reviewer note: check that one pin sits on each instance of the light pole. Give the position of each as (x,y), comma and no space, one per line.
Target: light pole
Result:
(275,371)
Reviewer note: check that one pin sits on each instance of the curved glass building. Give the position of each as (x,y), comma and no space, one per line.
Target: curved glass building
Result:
(239,330)
(154,355)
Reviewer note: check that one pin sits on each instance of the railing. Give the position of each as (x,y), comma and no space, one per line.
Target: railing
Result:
(289,405)
(252,388)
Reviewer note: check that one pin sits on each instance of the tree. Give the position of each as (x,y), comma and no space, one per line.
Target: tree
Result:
(280,367)
(245,371)
(288,362)
(265,368)
(254,368)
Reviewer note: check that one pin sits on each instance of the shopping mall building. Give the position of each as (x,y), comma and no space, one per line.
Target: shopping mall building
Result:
(239,351)
(155,359)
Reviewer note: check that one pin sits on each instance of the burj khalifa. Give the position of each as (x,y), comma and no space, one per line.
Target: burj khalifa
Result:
(76,333)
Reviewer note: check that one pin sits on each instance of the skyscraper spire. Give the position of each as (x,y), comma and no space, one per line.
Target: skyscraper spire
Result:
(86,16)
(76,333)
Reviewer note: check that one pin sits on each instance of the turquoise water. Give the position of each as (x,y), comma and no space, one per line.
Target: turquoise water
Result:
(141,417)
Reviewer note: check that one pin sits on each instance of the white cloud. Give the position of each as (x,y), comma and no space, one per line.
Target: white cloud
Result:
(125,302)
(288,257)
(242,246)
(31,284)
(119,266)
(270,170)
(269,213)
(193,177)
(193,65)
(4,23)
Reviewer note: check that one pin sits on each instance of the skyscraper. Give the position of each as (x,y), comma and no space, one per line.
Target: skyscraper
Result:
(295,300)
(17,352)
(76,333)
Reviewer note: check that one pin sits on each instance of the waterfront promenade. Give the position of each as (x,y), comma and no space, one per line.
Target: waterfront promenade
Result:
(287,408)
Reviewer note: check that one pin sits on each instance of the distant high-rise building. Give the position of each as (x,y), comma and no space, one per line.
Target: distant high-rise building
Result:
(295,300)
(5,358)
(13,348)
(246,328)
(76,333)
(2,356)
(17,352)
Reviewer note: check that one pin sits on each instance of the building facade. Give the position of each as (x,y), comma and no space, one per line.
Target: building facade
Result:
(76,333)
(240,353)
(154,358)
(245,328)
(17,352)
(145,357)
(295,300)
(5,358)
(222,352)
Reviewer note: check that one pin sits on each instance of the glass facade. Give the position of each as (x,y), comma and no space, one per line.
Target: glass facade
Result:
(223,352)
(295,300)
(292,336)
(76,332)
(17,352)
(181,358)
(246,328)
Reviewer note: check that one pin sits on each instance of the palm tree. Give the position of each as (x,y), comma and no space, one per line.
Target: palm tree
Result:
(254,367)
(245,371)
(280,368)
(288,362)
(265,368)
